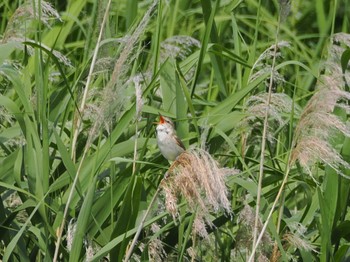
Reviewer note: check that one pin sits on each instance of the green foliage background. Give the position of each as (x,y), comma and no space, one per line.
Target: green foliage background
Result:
(205,86)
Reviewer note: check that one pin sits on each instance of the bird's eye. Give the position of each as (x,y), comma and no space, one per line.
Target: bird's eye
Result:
(170,123)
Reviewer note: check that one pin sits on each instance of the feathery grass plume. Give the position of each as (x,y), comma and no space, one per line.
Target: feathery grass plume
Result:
(12,202)
(91,249)
(156,250)
(138,96)
(316,127)
(280,104)
(273,52)
(246,221)
(114,95)
(341,38)
(192,253)
(196,176)
(295,238)
(12,142)
(262,66)
(108,104)
(280,107)
(60,57)
(136,256)
(21,27)
(284,9)
(19,23)
(178,47)
(298,242)
(318,124)
(72,227)
(105,63)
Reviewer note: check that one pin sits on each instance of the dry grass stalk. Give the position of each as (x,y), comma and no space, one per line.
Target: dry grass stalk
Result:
(273,52)
(263,143)
(129,252)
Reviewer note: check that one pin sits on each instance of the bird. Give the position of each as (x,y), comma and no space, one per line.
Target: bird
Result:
(170,145)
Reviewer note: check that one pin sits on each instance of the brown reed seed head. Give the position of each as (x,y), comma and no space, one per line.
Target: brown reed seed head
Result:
(195,176)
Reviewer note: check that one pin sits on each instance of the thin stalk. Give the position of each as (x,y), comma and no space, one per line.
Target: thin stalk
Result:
(75,137)
(135,149)
(65,213)
(142,223)
(89,141)
(251,258)
(72,190)
(278,227)
(138,97)
(280,214)
(92,66)
(263,143)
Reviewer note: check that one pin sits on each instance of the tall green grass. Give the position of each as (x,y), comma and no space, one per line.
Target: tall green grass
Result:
(260,89)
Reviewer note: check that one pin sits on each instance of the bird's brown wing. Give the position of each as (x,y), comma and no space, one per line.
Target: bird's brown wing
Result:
(179,142)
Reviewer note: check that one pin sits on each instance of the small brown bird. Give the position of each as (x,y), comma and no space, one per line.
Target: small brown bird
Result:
(168,142)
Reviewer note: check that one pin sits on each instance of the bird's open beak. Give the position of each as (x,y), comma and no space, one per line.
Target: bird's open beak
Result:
(161,120)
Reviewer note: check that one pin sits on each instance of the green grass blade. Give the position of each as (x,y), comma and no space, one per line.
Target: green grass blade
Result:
(82,222)
(328,205)
(218,66)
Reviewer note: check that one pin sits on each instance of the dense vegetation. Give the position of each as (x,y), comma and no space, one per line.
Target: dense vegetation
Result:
(259,92)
